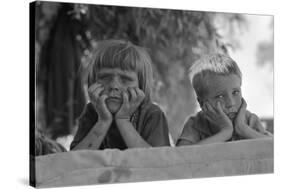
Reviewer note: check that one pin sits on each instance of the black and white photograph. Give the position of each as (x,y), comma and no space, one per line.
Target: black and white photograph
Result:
(131,94)
(126,94)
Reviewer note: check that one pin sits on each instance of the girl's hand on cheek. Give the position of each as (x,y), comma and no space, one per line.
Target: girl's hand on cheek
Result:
(216,115)
(139,96)
(131,101)
(98,101)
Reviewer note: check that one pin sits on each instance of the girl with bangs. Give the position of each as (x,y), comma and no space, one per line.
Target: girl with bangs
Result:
(120,113)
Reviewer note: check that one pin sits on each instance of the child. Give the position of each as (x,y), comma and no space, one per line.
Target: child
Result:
(120,114)
(45,146)
(216,80)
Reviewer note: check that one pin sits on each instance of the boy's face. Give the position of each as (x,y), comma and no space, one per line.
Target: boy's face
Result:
(226,90)
(115,81)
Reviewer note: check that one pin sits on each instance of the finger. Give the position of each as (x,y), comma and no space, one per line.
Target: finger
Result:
(125,98)
(219,107)
(207,108)
(140,94)
(96,94)
(102,99)
(210,108)
(244,104)
(133,94)
(93,87)
(204,108)
(243,107)
(209,117)
(252,120)
(98,91)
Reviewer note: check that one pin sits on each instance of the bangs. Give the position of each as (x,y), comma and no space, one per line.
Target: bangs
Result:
(123,56)
(215,63)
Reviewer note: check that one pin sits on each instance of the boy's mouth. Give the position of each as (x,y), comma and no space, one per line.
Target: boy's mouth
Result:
(231,115)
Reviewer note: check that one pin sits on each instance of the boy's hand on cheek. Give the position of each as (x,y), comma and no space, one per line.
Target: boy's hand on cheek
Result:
(98,102)
(131,101)
(216,116)
(240,120)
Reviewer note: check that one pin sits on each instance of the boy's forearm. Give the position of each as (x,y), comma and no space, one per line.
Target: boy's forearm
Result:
(249,133)
(130,135)
(222,136)
(94,138)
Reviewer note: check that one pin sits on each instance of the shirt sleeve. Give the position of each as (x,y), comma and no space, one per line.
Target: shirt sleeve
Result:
(255,123)
(189,135)
(85,123)
(157,133)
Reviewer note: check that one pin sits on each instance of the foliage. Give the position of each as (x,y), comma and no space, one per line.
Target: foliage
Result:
(174,39)
(265,50)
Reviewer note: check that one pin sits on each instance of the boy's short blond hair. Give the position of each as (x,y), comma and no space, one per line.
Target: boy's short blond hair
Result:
(125,56)
(218,64)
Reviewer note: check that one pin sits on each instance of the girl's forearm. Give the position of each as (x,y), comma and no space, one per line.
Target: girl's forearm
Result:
(94,138)
(130,135)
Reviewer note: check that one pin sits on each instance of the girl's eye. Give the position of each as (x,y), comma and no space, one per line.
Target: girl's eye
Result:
(126,82)
(104,77)
(126,79)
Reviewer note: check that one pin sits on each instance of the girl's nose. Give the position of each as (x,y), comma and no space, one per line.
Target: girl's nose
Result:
(114,84)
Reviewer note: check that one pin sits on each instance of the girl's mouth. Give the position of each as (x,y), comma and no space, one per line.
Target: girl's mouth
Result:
(114,99)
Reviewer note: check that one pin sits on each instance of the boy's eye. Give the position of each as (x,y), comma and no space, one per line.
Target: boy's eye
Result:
(219,96)
(236,92)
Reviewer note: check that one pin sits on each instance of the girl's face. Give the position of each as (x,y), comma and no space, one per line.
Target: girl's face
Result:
(226,90)
(115,81)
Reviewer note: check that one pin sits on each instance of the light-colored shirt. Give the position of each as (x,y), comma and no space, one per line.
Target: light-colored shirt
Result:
(197,128)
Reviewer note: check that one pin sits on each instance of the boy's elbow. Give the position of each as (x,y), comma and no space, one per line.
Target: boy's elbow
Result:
(268,135)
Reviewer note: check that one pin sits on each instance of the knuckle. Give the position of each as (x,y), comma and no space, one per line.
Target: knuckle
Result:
(254,116)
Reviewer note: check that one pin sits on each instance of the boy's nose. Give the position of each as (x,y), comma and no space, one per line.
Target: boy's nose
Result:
(230,102)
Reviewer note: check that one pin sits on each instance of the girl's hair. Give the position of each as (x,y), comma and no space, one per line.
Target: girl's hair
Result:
(218,64)
(125,56)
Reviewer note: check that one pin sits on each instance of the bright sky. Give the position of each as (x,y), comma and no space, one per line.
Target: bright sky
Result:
(257,86)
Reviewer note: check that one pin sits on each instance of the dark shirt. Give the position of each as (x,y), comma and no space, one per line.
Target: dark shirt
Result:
(149,121)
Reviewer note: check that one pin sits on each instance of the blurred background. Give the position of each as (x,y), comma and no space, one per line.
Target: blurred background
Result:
(67,33)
